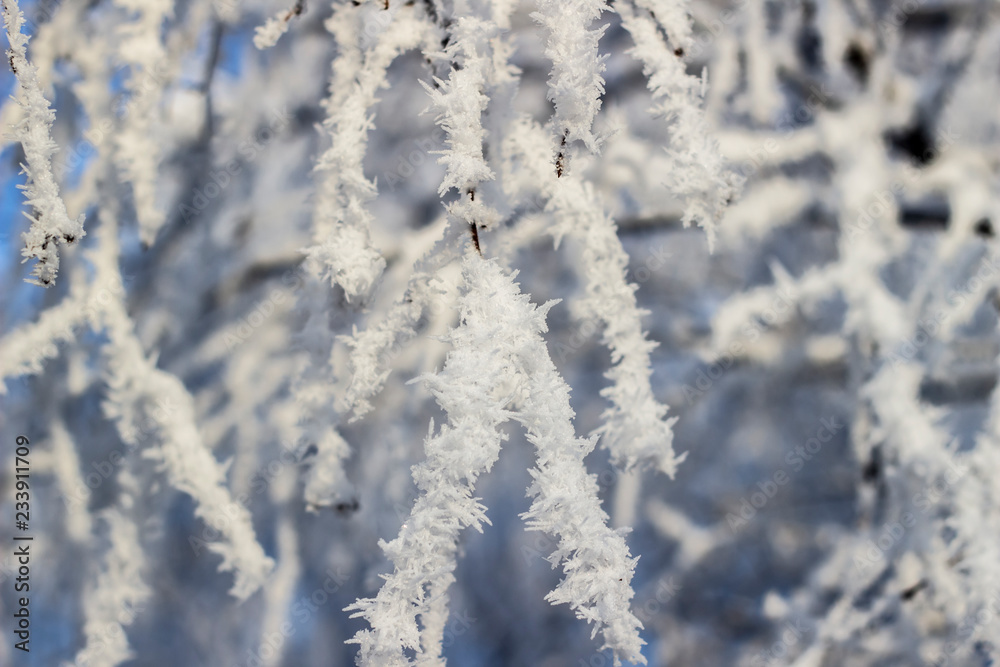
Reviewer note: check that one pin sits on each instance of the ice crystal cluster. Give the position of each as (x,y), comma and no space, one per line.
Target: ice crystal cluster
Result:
(687,308)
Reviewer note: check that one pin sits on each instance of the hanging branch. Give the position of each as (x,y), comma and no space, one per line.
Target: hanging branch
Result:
(138,152)
(635,431)
(576,82)
(51,226)
(698,175)
(341,250)
(119,590)
(135,385)
(268,34)
(498,368)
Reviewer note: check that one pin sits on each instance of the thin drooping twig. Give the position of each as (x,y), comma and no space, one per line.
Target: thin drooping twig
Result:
(51,226)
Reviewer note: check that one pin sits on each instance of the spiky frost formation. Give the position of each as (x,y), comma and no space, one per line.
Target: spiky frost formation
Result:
(498,368)
(635,431)
(576,82)
(698,175)
(342,250)
(51,226)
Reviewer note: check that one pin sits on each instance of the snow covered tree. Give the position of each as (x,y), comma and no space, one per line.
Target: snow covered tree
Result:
(687,307)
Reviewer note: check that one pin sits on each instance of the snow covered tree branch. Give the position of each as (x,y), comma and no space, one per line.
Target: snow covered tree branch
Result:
(51,226)
(492,374)
(716,284)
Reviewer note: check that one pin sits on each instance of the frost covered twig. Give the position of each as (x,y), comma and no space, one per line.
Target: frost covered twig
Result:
(698,175)
(498,367)
(341,248)
(118,592)
(51,225)
(372,348)
(29,346)
(460,102)
(635,431)
(341,251)
(595,558)
(268,34)
(479,58)
(576,82)
(135,385)
(137,148)
(474,389)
